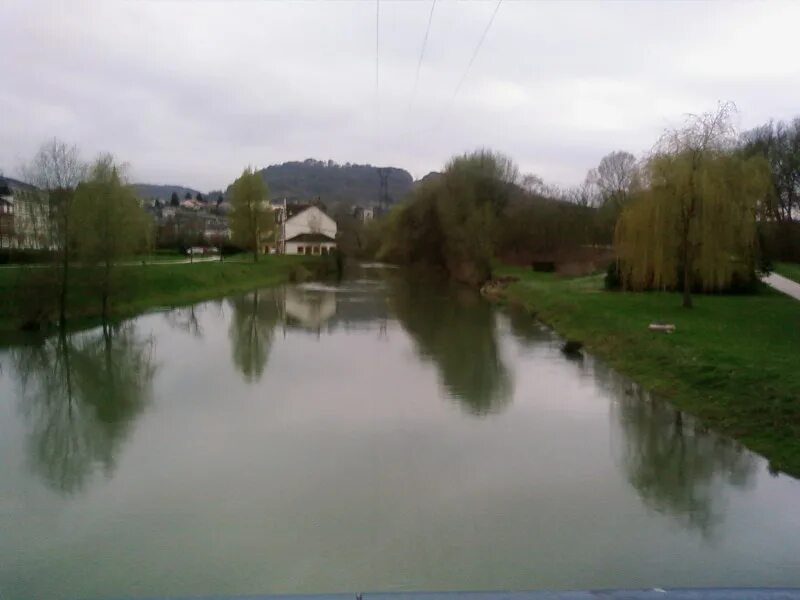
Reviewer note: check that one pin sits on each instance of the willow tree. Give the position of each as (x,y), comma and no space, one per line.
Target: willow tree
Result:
(694,223)
(250,217)
(110,226)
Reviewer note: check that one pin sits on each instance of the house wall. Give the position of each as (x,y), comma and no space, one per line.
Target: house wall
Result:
(310,247)
(29,221)
(311,220)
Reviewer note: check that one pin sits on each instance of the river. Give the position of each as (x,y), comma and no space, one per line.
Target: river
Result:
(375,435)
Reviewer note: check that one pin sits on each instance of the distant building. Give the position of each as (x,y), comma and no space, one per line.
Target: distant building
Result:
(303,229)
(24,215)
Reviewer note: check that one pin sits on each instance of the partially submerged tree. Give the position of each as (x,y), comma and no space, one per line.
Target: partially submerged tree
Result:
(251,217)
(112,226)
(694,224)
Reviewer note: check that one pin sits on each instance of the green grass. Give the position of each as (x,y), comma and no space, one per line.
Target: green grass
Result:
(790,270)
(733,361)
(154,285)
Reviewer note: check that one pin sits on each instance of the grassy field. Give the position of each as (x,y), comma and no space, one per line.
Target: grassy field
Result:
(733,361)
(790,270)
(143,287)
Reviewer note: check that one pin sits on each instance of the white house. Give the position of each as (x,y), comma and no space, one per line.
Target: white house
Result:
(305,229)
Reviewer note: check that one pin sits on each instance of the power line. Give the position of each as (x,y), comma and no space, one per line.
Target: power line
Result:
(471,60)
(377,43)
(377,78)
(421,55)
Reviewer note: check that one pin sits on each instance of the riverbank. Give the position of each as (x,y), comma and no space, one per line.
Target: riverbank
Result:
(732,360)
(148,286)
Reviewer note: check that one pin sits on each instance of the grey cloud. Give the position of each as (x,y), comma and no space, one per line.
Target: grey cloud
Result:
(191,92)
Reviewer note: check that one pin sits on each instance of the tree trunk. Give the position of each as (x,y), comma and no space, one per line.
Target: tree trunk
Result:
(255,245)
(687,284)
(105,291)
(62,301)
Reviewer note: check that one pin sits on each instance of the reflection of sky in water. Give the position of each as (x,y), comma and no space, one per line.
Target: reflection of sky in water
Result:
(373,436)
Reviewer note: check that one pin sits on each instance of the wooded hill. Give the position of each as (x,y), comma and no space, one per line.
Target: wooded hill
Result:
(163,192)
(333,183)
(302,181)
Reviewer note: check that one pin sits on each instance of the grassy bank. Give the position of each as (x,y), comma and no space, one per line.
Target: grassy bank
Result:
(733,360)
(790,270)
(144,287)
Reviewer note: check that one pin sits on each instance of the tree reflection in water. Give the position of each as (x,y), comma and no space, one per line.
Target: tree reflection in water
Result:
(456,330)
(524,326)
(253,322)
(677,467)
(186,319)
(80,395)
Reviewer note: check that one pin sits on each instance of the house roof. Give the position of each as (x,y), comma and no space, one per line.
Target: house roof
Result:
(311,237)
(295,209)
(7,185)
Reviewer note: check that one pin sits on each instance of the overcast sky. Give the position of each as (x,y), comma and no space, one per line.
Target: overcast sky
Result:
(190,92)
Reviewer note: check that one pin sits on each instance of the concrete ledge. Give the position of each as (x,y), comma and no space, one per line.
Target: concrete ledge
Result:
(642,594)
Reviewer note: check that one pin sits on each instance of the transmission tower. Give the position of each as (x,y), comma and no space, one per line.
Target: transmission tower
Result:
(383,192)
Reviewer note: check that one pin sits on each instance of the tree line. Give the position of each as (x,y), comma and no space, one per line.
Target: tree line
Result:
(705,210)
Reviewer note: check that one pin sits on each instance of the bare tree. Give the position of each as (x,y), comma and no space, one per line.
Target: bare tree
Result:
(779,143)
(57,169)
(614,177)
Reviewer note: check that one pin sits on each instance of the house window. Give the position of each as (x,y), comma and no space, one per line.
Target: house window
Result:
(299,249)
(324,249)
(316,250)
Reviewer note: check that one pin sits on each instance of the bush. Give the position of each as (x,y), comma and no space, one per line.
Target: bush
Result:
(544,266)
(613,279)
(25,257)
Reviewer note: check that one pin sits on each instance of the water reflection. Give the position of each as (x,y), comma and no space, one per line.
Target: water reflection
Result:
(252,326)
(677,467)
(308,307)
(186,319)
(456,330)
(525,328)
(80,396)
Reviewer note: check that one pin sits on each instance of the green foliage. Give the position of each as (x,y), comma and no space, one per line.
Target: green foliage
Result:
(110,225)
(693,222)
(533,228)
(701,211)
(449,222)
(251,217)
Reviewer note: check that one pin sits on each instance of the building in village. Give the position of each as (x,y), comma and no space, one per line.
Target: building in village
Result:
(24,215)
(301,229)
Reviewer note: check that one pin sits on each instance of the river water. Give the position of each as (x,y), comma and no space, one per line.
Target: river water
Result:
(374,435)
